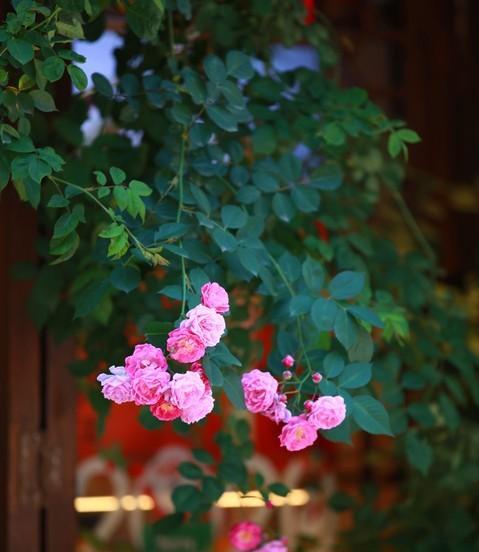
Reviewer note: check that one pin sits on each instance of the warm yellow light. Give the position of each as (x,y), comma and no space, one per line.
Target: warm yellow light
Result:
(253,499)
(91,504)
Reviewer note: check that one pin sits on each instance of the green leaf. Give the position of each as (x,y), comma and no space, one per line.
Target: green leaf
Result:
(215,69)
(64,248)
(53,68)
(78,77)
(213,372)
(333,364)
(367,315)
(65,224)
(234,389)
(264,140)
(90,298)
(118,176)
(408,135)
(57,201)
(394,145)
(224,239)
(233,216)
(202,456)
(190,470)
(371,415)
(265,182)
(147,420)
(333,134)
(213,488)
(355,375)
(224,119)
(171,230)
(345,329)
(186,498)
(38,169)
(327,177)
(239,65)
(145,17)
(419,453)
(300,304)
(125,278)
(43,101)
(347,284)
(21,50)
(140,188)
(283,207)
(233,95)
(323,313)
(102,85)
(279,489)
(313,274)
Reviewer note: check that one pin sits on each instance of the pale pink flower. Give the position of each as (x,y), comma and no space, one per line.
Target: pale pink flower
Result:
(278,411)
(288,361)
(198,367)
(327,412)
(116,386)
(198,410)
(297,434)
(149,384)
(215,297)
(164,410)
(259,389)
(245,535)
(186,389)
(185,346)
(206,323)
(274,546)
(145,355)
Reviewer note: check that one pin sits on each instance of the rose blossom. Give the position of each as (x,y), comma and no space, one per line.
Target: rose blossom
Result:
(215,297)
(316,377)
(164,410)
(148,385)
(184,346)
(198,367)
(278,411)
(206,323)
(297,434)
(259,390)
(145,355)
(245,535)
(288,361)
(186,389)
(274,546)
(327,412)
(198,410)
(116,386)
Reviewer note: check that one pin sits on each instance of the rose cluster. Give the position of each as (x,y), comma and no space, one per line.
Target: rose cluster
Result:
(145,378)
(247,536)
(262,396)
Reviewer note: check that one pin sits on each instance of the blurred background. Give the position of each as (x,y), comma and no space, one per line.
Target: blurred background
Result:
(418,61)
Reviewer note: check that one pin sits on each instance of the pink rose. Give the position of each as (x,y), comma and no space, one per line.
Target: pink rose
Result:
(259,390)
(245,535)
(206,323)
(116,386)
(184,346)
(278,412)
(149,384)
(198,410)
(288,361)
(274,546)
(145,355)
(327,412)
(198,367)
(297,434)
(164,410)
(186,389)
(215,297)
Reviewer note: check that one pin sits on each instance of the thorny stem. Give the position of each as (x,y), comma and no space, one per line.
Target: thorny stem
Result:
(181,169)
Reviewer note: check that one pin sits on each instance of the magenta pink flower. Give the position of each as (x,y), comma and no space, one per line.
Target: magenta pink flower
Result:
(274,546)
(186,389)
(288,361)
(297,434)
(327,412)
(278,412)
(184,346)
(316,377)
(198,410)
(145,355)
(164,410)
(206,323)
(245,535)
(215,297)
(198,367)
(149,384)
(259,389)
(116,386)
